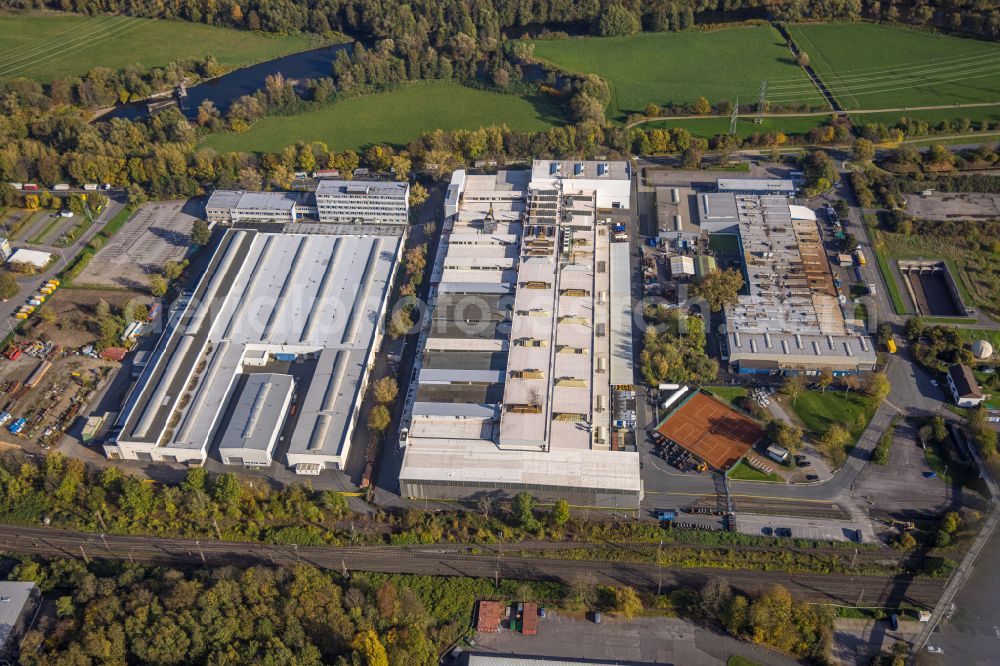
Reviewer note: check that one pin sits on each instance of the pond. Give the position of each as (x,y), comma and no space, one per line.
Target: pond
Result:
(229,87)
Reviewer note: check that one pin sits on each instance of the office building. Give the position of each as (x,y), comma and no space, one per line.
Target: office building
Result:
(334,201)
(528,330)
(273,317)
(351,201)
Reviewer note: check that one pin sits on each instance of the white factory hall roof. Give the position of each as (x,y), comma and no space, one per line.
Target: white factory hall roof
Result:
(310,295)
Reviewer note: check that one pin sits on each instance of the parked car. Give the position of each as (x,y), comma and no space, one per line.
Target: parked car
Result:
(767,531)
(783,531)
(812,477)
(803,463)
(930,475)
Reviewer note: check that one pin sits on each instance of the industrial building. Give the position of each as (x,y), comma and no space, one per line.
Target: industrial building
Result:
(791,318)
(277,323)
(529,333)
(334,201)
(20,603)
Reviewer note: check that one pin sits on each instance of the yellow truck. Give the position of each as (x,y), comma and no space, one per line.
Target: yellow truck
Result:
(891,346)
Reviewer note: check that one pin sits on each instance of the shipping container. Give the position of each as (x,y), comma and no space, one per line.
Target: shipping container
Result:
(31,187)
(60,187)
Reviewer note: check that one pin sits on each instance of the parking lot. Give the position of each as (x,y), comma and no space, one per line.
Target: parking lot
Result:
(804,528)
(156,234)
(954,206)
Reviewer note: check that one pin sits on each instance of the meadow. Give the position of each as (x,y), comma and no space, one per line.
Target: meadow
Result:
(394,118)
(47,45)
(871,66)
(669,67)
(745,126)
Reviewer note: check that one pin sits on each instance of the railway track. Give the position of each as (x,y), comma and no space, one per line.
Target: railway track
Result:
(462,560)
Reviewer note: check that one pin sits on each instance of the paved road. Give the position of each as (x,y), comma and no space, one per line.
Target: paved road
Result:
(457,560)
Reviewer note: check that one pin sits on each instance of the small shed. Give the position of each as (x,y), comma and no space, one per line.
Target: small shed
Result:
(529,619)
(488,616)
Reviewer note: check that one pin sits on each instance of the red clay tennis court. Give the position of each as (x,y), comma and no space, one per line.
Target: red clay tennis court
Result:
(712,431)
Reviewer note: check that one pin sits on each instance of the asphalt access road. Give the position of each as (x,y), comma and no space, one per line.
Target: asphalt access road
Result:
(459,560)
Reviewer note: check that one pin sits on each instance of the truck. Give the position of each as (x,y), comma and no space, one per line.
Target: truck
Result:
(17,426)
(31,187)
(4,417)
(60,187)
(891,346)
(860,257)
(13,352)
(90,187)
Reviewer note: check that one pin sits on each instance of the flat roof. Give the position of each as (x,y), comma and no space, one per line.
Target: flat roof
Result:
(34,257)
(761,185)
(582,169)
(18,594)
(622,364)
(329,187)
(242,199)
(295,293)
(711,430)
(258,413)
(483,462)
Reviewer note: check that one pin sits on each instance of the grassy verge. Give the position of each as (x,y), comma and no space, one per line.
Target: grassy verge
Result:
(739,660)
(741,471)
(884,267)
(880,456)
(949,320)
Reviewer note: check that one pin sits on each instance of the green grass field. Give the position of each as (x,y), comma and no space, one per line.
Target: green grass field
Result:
(741,471)
(49,45)
(666,67)
(730,394)
(869,66)
(396,118)
(709,127)
(818,410)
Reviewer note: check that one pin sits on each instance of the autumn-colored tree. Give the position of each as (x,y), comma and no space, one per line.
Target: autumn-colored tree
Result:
(378,419)
(385,390)
(719,288)
(701,107)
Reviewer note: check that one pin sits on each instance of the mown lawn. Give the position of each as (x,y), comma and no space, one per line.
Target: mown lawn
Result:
(678,67)
(818,410)
(873,66)
(395,118)
(745,126)
(730,394)
(744,472)
(49,45)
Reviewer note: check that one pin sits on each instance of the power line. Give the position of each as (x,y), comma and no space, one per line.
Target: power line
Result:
(42,50)
(122,28)
(878,87)
(732,118)
(904,65)
(929,71)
